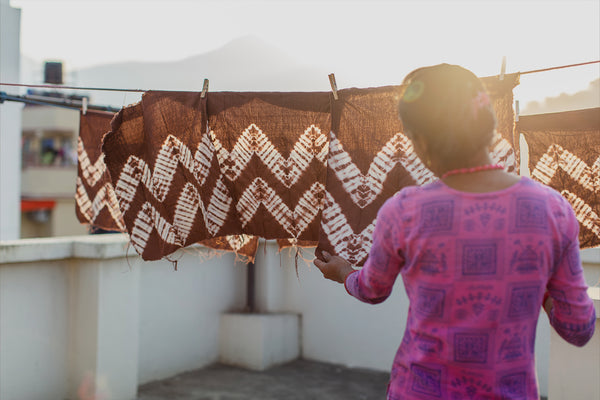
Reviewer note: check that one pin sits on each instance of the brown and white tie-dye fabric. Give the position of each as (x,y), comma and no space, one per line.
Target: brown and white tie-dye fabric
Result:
(272,151)
(95,200)
(370,160)
(254,168)
(300,167)
(164,172)
(505,146)
(167,178)
(564,153)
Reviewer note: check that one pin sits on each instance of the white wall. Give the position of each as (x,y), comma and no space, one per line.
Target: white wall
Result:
(180,311)
(334,325)
(33,330)
(86,309)
(10,123)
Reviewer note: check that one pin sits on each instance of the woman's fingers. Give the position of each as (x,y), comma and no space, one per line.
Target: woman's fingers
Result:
(334,268)
(320,264)
(328,269)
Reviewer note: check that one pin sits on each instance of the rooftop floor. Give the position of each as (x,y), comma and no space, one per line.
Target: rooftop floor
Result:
(298,380)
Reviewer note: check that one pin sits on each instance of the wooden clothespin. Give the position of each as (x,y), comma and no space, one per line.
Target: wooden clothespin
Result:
(204,88)
(517,110)
(84,105)
(503,68)
(333,86)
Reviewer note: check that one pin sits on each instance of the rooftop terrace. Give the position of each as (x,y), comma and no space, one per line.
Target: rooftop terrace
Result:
(85,318)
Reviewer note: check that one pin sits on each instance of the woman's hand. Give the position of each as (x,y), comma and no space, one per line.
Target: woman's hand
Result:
(334,268)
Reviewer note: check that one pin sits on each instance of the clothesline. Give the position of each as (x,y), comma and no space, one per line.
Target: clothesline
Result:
(163,90)
(55,102)
(560,67)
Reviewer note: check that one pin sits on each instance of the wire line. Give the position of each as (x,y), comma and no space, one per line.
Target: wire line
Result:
(54,101)
(560,67)
(76,87)
(154,90)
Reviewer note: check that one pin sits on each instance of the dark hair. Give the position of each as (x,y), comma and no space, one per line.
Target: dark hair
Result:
(448,106)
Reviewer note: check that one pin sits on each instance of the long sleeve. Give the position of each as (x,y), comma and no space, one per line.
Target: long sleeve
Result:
(573,314)
(373,283)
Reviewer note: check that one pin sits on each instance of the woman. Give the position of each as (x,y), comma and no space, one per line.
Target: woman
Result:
(502,246)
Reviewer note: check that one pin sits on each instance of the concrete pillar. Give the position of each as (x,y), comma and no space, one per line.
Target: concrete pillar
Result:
(104,332)
(270,279)
(267,337)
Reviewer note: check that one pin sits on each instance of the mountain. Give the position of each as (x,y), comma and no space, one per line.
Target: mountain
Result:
(248,64)
(245,64)
(588,98)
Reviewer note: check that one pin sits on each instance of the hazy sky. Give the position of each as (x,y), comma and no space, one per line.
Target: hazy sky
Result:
(366,43)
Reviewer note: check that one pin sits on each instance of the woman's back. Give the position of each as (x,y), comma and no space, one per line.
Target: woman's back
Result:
(475,268)
(479,251)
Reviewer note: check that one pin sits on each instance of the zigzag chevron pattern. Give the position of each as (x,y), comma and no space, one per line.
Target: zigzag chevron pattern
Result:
(364,188)
(170,194)
(503,152)
(237,242)
(557,157)
(148,219)
(311,144)
(173,153)
(91,172)
(353,247)
(413,164)
(105,197)
(259,192)
(584,213)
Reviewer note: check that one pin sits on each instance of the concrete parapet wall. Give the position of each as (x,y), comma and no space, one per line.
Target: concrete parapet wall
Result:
(86,315)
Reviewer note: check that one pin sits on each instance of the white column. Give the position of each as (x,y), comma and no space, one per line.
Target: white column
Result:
(268,337)
(10,124)
(104,336)
(270,275)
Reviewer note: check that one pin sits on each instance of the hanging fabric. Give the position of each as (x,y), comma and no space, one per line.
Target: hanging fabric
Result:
(505,146)
(163,168)
(272,151)
(563,154)
(96,203)
(258,171)
(301,168)
(370,160)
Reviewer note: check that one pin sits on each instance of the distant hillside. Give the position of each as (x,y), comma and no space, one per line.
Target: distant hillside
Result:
(246,64)
(588,98)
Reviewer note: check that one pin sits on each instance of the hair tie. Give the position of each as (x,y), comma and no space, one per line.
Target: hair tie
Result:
(413,91)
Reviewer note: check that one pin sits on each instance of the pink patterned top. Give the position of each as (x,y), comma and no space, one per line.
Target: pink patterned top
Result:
(475,267)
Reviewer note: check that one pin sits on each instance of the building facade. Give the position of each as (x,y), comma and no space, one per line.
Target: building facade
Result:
(10,123)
